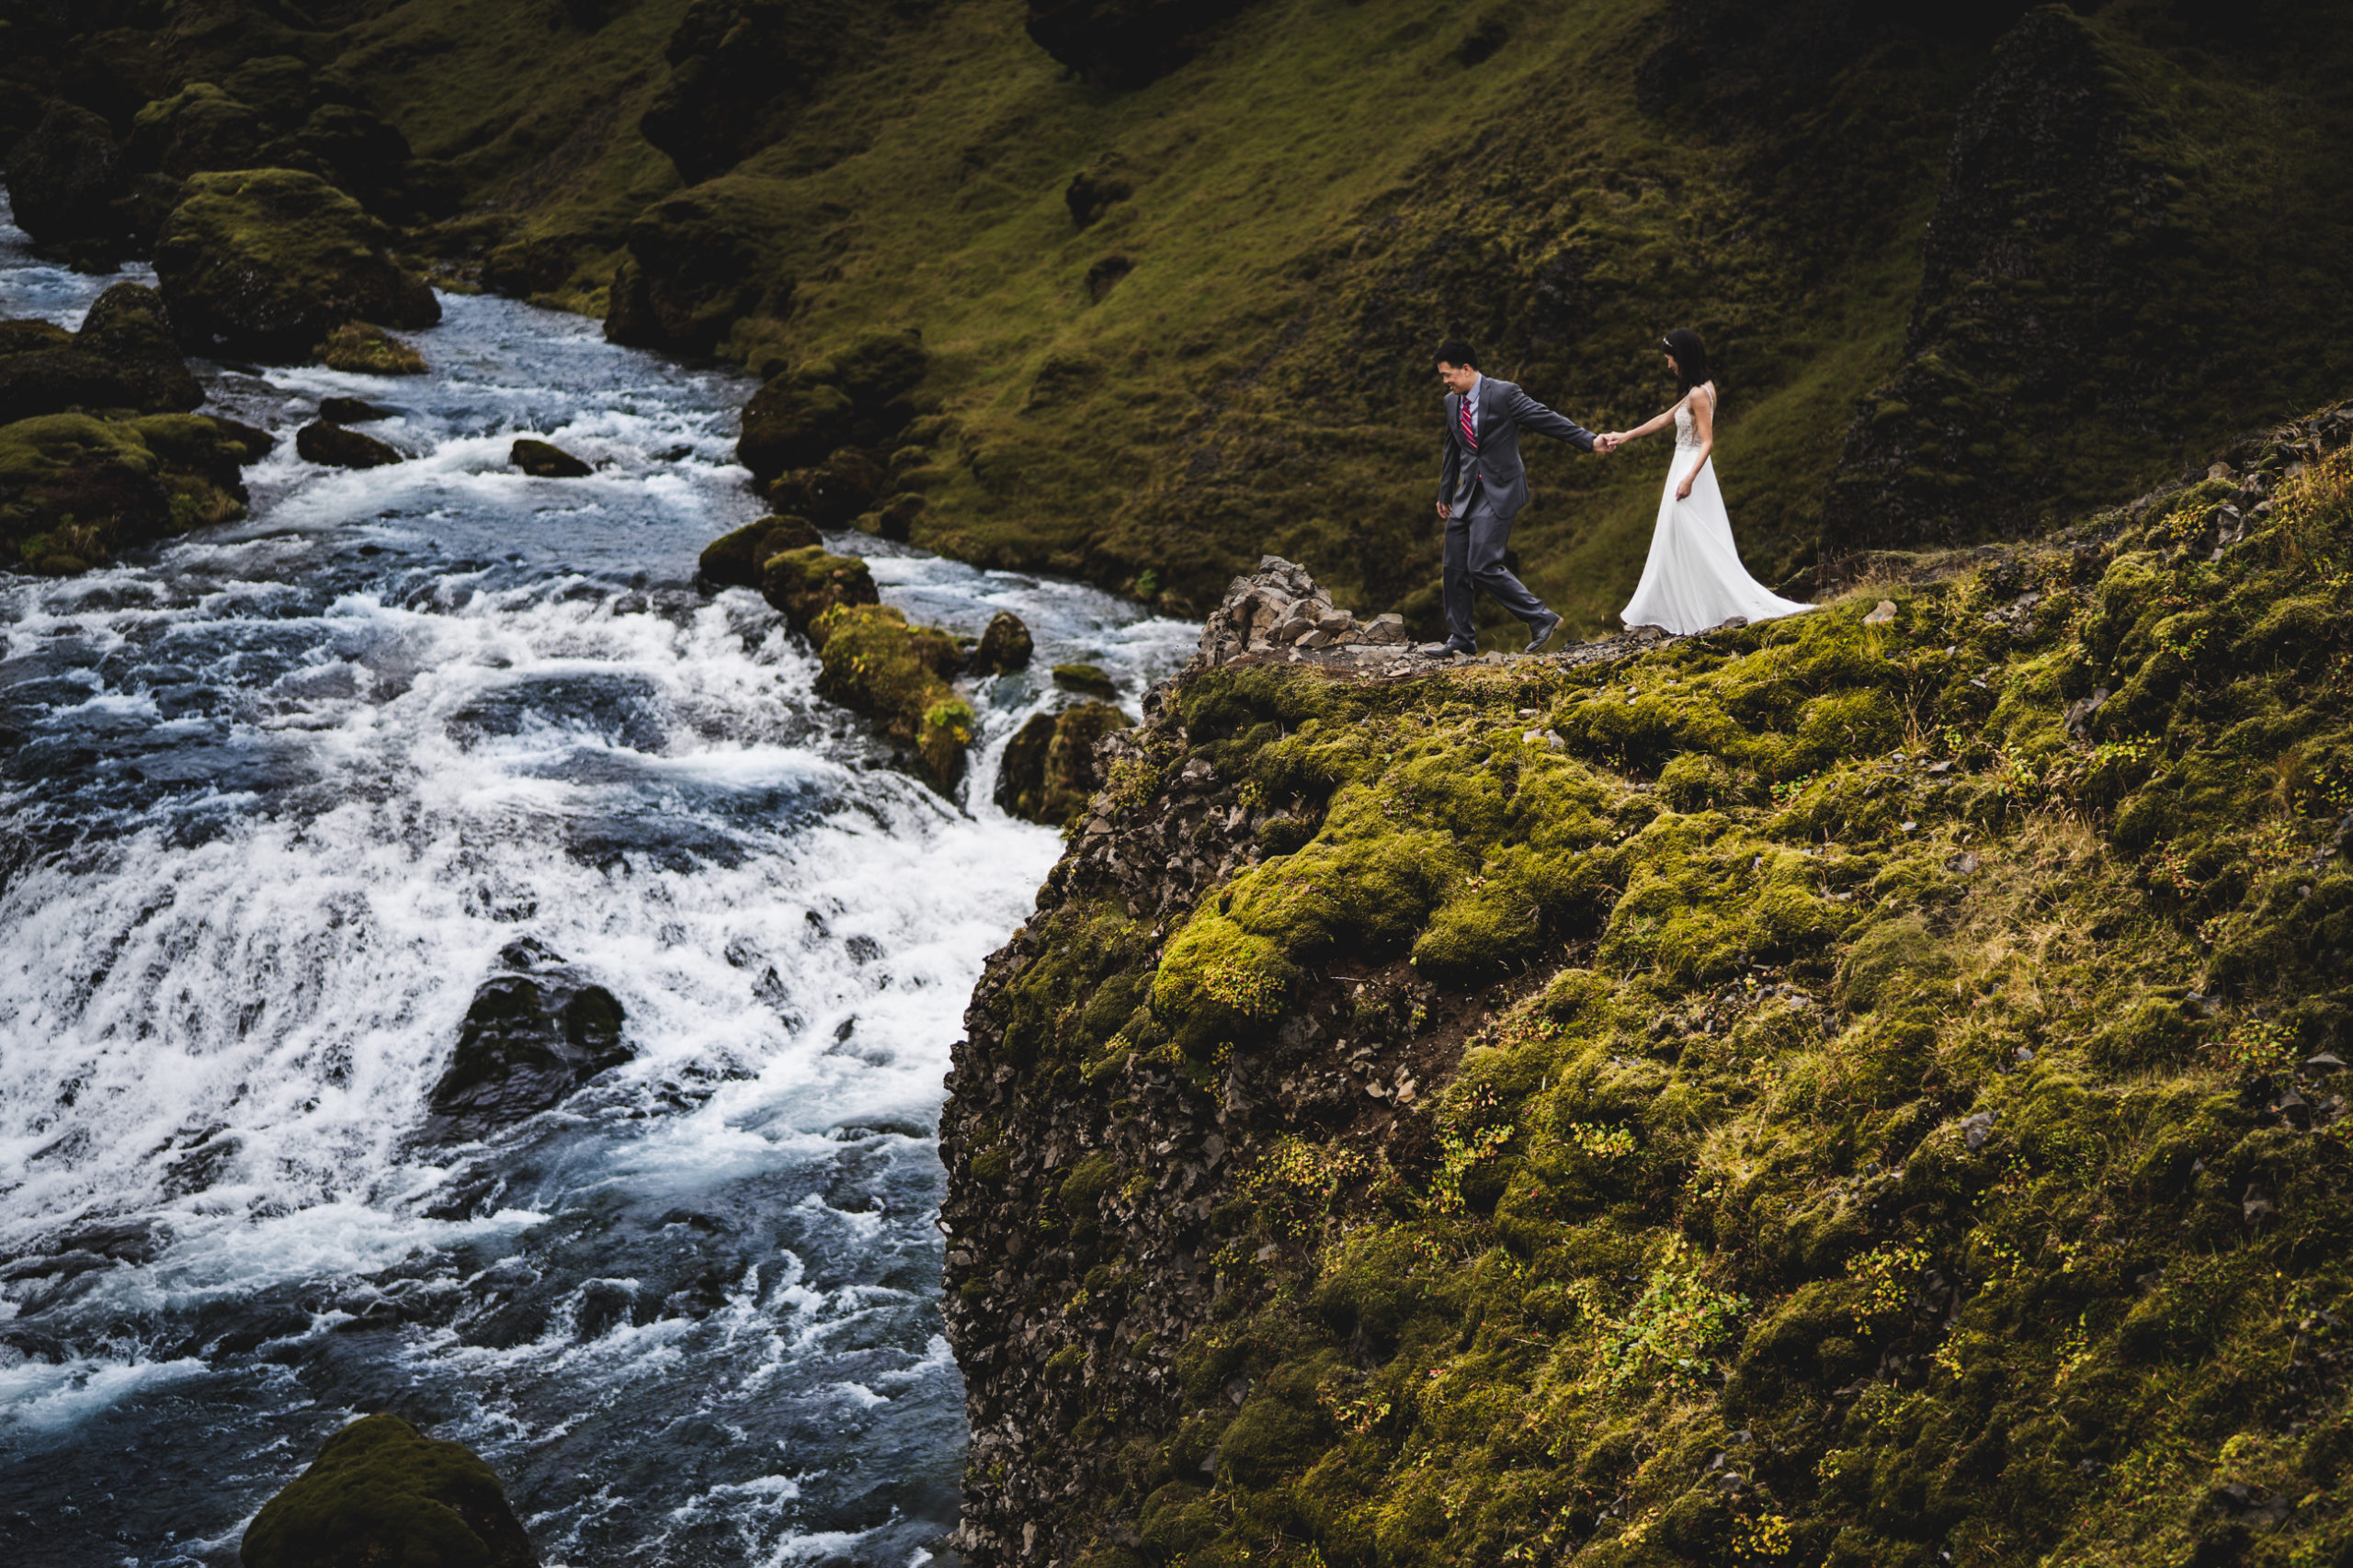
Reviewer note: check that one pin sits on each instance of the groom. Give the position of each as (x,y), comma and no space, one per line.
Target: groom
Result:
(1482,487)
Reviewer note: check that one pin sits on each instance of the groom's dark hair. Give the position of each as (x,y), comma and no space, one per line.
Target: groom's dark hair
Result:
(1454,351)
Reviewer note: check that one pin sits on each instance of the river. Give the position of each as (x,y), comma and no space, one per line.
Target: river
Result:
(273,801)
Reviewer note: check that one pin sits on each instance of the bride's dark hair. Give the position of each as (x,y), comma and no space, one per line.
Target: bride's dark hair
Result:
(1691,357)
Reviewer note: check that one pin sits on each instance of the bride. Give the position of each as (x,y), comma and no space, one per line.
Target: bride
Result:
(1693,579)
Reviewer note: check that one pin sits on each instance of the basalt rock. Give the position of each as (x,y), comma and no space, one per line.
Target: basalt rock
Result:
(1088,678)
(351,410)
(856,399)
(737,559)
(806,583)
(531,1038)
(544,459)
(742,71)
(364,350)
(1052,764)
(382,1493)
(697,262)
(274,261)
(66,178)
(335,446)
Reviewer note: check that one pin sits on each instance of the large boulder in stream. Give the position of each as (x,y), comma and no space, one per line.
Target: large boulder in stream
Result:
(382,1493)
(124,357)
(75,490)
(66,178)
(532,1037)
(806,582)
(1051,768)
(272,261)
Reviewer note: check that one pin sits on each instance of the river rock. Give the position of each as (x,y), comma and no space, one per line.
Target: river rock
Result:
(363,349)
(198,129)
(1004,646)
(75,490)
(65,176)
(351,410)
(1089,678)
(737,560)
(272,261)
(122,359)
(805,584)
(545,460)
(382,1493)
(1051,768)
(320,442)
(532,1037)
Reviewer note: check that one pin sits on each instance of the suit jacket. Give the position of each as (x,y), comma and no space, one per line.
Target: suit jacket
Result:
(1503,409)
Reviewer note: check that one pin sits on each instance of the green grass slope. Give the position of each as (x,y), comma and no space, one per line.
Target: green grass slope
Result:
(1866,1089)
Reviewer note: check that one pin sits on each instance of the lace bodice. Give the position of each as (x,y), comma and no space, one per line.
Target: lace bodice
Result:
(1686,432)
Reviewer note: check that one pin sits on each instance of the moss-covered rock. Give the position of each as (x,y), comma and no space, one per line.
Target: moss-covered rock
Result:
(1123,43)
(1050,769)
(335,446)
(857,399)
(198,129)
(877,663)
(66,176)
(273,261)
(1091,679)
(381,1491)
(805,581)
(734,560)
(363,349)
(76,491)
(1004,646)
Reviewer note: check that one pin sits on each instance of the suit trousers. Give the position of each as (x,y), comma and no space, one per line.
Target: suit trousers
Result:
(1475,542)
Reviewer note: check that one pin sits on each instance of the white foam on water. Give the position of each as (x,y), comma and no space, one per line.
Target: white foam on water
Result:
(39,1398)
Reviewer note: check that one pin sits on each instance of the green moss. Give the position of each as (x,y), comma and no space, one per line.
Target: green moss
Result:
(367,350)
(804,582)
(381,1491)
(1896,1102)
(873,661)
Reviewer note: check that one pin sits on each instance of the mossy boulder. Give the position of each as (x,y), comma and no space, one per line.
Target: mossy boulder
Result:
(875,662)
(697,262)
(1123,43)
(273,261)
(362,348)
(382,1493)
(198,129)
(75,490)
(545,460)
(66,178)
(1092,679)
(1049,770)
(123,357)
(859,398)
(806,582)
(734,560)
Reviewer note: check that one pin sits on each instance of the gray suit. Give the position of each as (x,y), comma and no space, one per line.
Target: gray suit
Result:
(1485,490)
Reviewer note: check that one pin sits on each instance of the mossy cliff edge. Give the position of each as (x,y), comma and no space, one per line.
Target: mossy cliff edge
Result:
(1859,1089)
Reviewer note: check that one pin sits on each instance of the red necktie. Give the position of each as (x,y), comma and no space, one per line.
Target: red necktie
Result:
(1470,429)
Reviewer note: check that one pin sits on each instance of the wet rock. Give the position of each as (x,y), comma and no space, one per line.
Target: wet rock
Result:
(320,442)
(737,559)
(366,350)
(274,261)
(66,178)
(75,490)
(351,410)
(529,1041)
(878,664)
(805,584)
(1088,678)
(198,129)
(1124,43)
(1051,768)
(381,1491)
(1006,645)
(544,459)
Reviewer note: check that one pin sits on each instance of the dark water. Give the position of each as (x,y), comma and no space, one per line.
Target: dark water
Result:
(272,801)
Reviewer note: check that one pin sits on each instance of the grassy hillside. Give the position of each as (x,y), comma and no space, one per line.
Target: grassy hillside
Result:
(1229,359)
(1866,1089)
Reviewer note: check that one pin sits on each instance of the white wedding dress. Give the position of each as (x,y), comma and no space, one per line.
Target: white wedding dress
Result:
(1694,579)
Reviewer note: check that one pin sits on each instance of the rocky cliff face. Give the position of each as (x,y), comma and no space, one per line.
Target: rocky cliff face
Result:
(1848,1090)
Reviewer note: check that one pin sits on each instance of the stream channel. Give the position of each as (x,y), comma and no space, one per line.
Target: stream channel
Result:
(274,797)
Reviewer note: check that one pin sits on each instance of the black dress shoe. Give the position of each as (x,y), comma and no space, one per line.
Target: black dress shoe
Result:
(1441,650)
(1538,636)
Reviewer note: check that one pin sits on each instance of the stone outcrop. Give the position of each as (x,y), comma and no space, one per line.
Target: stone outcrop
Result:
(1004,645)
(381,1491)
(738,560)
(824,427)
(363,349)
(532,1037)
(77,490)
(66,177)
(273,261)
(1124,43)
(322,442)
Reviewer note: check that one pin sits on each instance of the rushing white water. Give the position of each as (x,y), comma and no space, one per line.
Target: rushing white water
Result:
(276,799)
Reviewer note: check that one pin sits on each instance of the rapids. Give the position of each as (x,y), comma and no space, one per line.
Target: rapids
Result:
(272,801)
